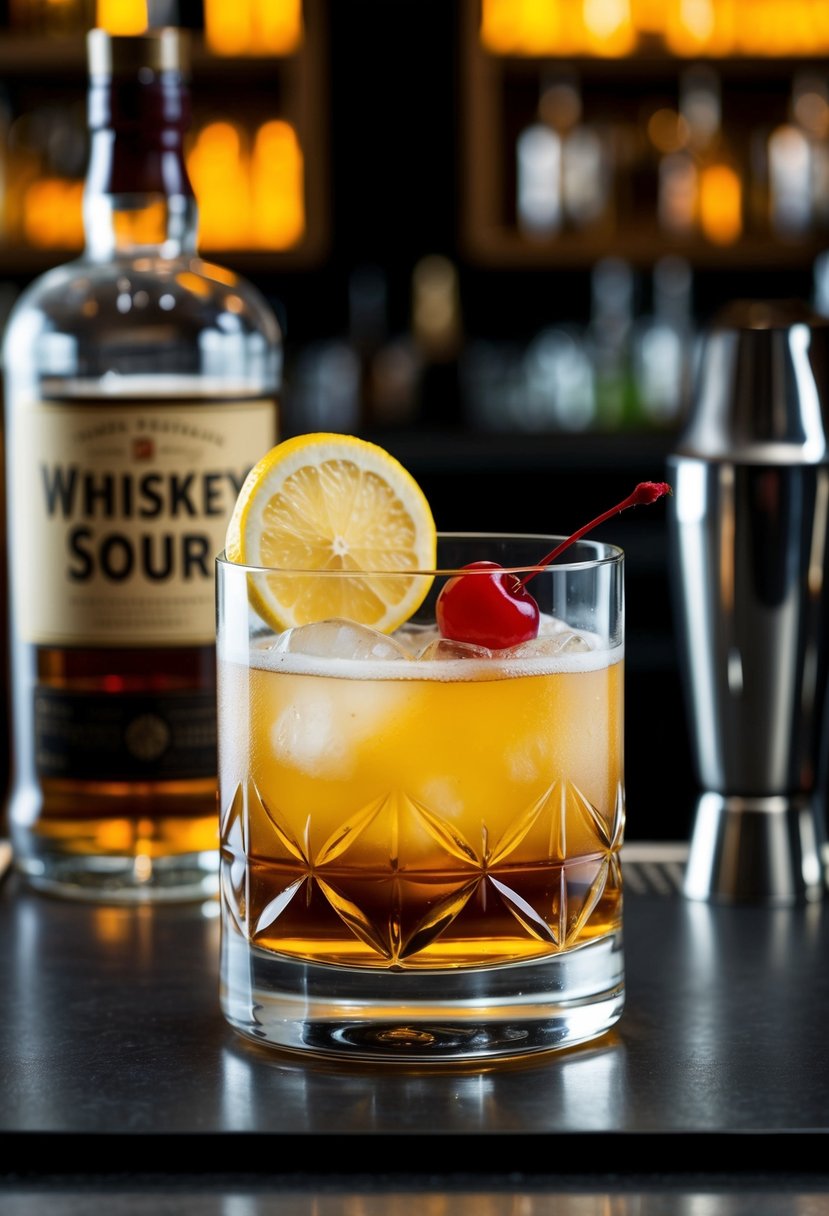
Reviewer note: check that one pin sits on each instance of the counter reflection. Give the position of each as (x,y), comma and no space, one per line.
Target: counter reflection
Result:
(583,1088)
(265,1201)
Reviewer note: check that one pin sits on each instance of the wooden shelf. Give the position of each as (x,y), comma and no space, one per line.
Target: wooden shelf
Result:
(487,233)
(25,262)
(654,65)
(21,56)
(502,248)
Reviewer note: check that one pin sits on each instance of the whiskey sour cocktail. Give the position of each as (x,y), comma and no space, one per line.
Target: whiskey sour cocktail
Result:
(420,830)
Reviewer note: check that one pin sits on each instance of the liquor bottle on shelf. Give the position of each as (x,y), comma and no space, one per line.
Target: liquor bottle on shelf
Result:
(437,334)
(563,165)
(797,160)
(141,384)
(328,378)
(390,361)
(557,391)
(609,335)
(810,103)
(324,389)
(539,203)
(789,180)
(720,203)
(677,172)
(663,344)
(586,168)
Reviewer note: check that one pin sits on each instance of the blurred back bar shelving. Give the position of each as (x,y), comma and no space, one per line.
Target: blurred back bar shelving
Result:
(257,149)
(516,219)
(713,148)
(494,229)
(650,159)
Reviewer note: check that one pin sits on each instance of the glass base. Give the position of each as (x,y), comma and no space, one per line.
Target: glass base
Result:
(422,1016)
(123,880)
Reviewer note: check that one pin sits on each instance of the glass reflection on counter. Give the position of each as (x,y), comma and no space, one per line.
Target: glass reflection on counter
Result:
(583,1087)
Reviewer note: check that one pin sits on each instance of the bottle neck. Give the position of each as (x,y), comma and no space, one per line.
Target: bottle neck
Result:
(138,200)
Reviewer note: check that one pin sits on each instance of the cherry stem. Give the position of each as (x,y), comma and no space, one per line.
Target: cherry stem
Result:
(646,492)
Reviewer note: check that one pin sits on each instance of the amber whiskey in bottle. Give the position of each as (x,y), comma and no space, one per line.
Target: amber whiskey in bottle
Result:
(141,384)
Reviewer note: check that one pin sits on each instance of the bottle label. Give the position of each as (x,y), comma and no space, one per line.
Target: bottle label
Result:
(117,513)
(131,737)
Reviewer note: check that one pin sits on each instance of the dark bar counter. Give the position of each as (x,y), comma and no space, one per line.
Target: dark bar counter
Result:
(115,1063)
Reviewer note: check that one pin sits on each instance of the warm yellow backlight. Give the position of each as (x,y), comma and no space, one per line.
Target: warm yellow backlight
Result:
(608,28)
(217,167)
(525,27)
(122,16)
(557,27)
(250,191)
(278,25)
(253,27)
(141,225)
(53,214)
(720,204)
(614,28)
(228,26)
(277,186)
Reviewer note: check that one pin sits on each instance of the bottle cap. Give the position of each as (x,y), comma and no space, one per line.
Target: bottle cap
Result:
(160,51)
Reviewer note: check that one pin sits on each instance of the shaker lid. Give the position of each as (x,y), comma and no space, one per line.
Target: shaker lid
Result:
(767,314)
(762,386)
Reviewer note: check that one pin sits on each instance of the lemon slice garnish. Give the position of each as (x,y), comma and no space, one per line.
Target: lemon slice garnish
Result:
(332,502)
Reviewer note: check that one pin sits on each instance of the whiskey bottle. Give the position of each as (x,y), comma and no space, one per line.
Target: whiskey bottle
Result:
(141,384)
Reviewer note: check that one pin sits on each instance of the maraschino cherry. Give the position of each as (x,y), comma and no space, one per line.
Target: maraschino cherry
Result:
(496,610)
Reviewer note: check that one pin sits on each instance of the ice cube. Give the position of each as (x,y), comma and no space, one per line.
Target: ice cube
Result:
(307,736)
(415,637)
(444,650)
(549,645)
(548,626)
(329,728)
(340,639)
(572,643)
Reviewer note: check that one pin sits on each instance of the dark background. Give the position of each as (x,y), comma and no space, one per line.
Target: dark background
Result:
(391,100)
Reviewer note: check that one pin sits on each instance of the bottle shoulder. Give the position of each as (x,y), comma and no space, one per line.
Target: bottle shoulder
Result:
(229,284)
(138,322)
(186,292)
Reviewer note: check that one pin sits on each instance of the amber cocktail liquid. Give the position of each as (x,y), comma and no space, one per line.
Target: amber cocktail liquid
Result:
(420,838)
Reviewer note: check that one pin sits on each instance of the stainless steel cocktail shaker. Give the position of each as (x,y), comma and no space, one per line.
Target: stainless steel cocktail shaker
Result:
(750,584)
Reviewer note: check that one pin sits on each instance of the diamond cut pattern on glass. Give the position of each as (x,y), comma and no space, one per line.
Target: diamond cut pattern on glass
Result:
(398,875)
(233,858)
